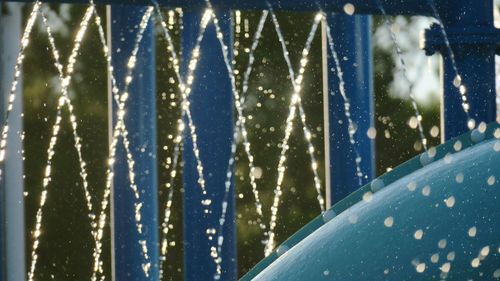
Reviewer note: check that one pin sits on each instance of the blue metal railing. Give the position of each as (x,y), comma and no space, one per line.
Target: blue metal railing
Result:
(473,39)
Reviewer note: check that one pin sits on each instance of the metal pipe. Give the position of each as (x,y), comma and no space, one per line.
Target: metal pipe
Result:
(406,7)
(473,39)
(140,119)
(11,180)
(352,39)
(212,111)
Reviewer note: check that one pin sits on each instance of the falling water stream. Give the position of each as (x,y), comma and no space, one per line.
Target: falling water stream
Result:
(399,53)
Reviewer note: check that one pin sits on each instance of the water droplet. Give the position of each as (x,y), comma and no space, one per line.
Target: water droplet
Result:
(420,267)
(426,191)
(376,185)
(418,234)
(450,201)
(389,221)
(446,267)
(367,196)
(349,9)
(371,133)
(434,131)
(472,231)
(491,180)
(476,136)
(328,215)
(442,243)
(457,81)
(485,251)
(282,249)
(412,186)
(475,263)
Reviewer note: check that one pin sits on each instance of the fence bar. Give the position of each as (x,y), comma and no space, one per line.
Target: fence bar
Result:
(211,106)
(12,245)
(352,39)
(396,7)
(140,120)
(473,38)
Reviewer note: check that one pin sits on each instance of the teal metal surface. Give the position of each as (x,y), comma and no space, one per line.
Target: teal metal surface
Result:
(435,217)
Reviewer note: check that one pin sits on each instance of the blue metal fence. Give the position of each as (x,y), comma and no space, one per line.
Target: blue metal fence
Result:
(473,39)
(141,123)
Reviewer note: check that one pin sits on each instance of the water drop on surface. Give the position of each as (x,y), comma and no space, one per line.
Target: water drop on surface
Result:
(376,185)
(442,243)
(450,201)
(282,249)
(446,267)
(491,180)
(389,222)
(496,274)
(476,136)
(328,215)
(475,263)
(420,267)
(418,234)
(412,186)
(367,196)
(472,231)
(426,191)
(485,251)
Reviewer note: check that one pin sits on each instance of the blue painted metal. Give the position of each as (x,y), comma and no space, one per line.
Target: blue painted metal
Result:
(2,194)
(211,107)
(362,244)
(140,120)
(12,228)
(352,39)
(395,7)
(474,40)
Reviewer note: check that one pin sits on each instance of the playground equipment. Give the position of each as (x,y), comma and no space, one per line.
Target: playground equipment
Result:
(432,218)
(468,41)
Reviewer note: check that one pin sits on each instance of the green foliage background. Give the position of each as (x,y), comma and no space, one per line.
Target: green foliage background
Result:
(66,246)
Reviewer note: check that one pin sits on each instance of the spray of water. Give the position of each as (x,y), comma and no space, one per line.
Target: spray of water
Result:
(185,89)
(307,132)
(288,131)
(399,52)
(120,131)
(239,128)
(347,104)
(457,82)
(63,100)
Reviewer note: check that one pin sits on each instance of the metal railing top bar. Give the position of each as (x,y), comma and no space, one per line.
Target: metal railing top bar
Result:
(395,7)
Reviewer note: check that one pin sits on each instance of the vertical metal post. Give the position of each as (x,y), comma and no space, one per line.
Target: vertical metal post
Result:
(471,32)
(352,37)
(211,107)
(140,120)
(12,246)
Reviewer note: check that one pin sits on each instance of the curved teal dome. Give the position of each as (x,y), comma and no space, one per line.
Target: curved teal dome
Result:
(436,217)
